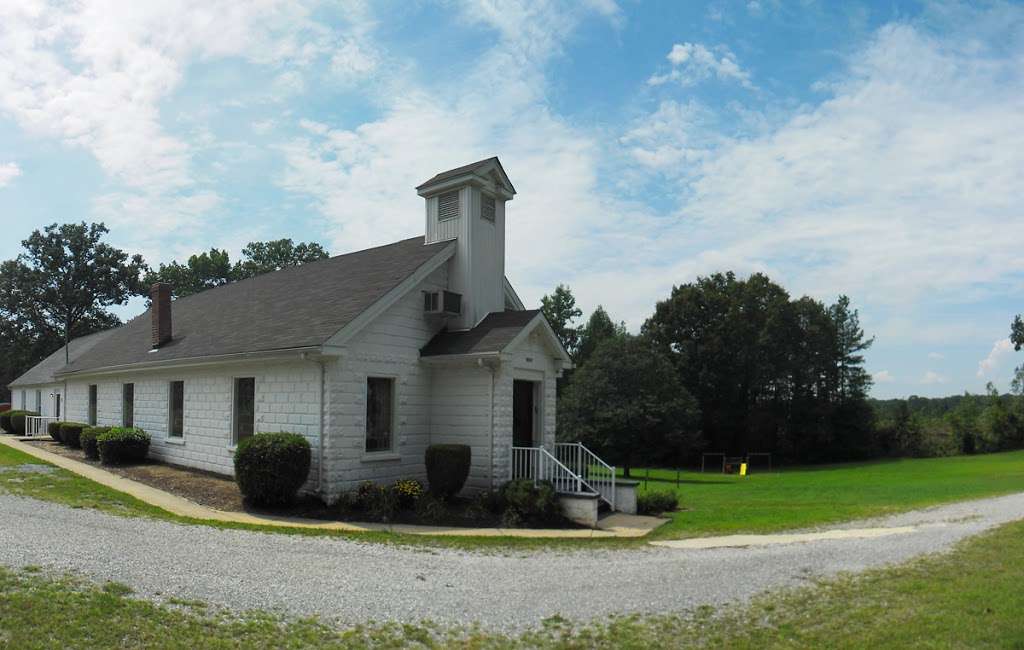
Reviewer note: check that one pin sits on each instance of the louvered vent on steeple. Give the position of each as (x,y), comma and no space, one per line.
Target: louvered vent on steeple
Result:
(448,206)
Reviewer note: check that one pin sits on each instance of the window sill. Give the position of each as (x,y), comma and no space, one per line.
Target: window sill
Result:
(175,441)
(379,456)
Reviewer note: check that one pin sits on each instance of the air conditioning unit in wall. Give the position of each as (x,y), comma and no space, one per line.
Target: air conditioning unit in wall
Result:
(442,302)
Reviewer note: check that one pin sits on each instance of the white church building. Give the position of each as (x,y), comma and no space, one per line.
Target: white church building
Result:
(371,356)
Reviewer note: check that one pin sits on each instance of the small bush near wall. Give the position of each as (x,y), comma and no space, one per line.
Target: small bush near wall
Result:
(71,432)
(655,503)
(447,468)
(271,467)
(122,445)
(18,420)
(5,421)
(53,428)
(527,504)
(88,440)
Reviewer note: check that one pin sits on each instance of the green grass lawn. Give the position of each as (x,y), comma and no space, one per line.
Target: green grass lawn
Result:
(969,598)
(716,503)
(713,503)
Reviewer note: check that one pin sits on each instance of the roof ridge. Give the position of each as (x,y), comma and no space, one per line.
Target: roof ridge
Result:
(295,268)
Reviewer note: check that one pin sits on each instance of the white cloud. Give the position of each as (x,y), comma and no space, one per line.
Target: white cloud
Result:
(675,136)
(695,62)
(94,75)
(932,377)
(1001,349)
(353,61)
(261,127)
(936,356)
(867,192)
(8,172)
(361,179)
(883,377)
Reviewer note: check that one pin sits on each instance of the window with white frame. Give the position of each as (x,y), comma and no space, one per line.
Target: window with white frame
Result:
(39,401)
(244,420)
(128,405)
(380,413)
(24,401)
(176,409)
(92,404)
(56,405)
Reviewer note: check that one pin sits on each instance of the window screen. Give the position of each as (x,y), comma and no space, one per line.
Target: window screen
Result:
(380,396)
(176,410)
(245,408)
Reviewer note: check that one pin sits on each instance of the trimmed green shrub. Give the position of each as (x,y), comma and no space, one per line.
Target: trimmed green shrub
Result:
(18,421)
(53,428)
(271,467)
(657,502)
(5,421)
(122,445)
(528,504)
(88,440)
(447,468)
(70,433)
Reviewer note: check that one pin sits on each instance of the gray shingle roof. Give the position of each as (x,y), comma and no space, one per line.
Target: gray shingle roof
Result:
(43,372)
(293,308)
(492,334)
(465,169)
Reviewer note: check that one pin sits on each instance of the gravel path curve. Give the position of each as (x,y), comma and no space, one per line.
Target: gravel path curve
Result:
(348,581)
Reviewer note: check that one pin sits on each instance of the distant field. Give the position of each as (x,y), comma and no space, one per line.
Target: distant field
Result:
(716,503)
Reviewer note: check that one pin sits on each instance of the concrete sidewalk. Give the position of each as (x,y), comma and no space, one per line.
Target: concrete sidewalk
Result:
(617,525)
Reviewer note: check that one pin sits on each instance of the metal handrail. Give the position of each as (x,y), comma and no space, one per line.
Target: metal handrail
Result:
(598,475)
(537,464)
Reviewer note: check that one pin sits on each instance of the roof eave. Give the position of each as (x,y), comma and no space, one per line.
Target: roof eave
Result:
(308,352)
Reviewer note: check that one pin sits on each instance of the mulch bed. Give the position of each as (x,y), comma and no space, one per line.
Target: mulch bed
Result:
(221,493)
(205,488)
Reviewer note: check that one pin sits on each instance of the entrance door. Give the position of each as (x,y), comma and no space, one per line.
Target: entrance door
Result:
(522,413)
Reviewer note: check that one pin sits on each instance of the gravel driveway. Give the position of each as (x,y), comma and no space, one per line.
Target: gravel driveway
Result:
(349,581)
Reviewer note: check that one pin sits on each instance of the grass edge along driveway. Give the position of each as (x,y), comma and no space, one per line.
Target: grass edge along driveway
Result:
(813,496)
(713,503)
(969,597)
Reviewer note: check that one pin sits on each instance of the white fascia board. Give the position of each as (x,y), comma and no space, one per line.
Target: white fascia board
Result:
(510,292)
(549,334)
(345,334)
(287,354)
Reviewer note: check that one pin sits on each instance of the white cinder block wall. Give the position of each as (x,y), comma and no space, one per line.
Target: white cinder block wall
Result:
(287,399)
(442,404)
(388,347)
(45,393)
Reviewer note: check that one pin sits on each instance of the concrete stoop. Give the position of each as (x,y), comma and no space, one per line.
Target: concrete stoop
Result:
(581,508)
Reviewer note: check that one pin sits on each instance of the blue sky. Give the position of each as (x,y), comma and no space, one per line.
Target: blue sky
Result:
(871,149)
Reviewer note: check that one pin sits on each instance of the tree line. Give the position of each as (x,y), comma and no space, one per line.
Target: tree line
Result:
(67,278)
(958,424)
(724,364)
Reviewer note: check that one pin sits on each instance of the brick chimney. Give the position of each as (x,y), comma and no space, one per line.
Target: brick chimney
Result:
(160,311)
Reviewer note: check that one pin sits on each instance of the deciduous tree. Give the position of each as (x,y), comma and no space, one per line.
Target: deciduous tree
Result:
(627,404)
(66,279)
(561,311)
